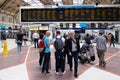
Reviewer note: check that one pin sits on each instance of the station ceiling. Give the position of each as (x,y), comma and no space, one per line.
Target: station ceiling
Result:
(12,6)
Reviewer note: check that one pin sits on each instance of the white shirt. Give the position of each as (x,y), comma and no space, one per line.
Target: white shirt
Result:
(59,37)
(74,46)
(35,36)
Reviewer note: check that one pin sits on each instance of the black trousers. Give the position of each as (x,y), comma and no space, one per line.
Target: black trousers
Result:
(75,55)
(36,43)
(112,42)
(68,56)
(41,57)
(46,62)
(60,60)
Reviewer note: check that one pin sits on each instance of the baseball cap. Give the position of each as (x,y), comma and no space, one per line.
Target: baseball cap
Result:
(57,32)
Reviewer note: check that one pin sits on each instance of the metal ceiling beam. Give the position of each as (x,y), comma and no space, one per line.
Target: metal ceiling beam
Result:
(47,2)
(17,11)
(67,2)
(89,2)
(11,7)
(4,3)
(97,1)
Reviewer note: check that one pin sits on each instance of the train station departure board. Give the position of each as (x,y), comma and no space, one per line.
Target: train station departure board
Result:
(70,14)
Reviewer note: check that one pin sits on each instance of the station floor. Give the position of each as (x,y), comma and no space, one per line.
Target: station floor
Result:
(15,66)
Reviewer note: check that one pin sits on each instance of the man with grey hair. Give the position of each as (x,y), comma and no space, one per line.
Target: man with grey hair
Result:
(101,48)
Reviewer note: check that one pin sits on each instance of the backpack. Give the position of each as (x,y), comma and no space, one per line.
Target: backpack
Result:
(41,44)
(58,44)
(87,39)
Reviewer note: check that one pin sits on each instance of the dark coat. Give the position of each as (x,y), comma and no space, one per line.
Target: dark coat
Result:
(3,36)
(70,45)
(66,46)
(19,36)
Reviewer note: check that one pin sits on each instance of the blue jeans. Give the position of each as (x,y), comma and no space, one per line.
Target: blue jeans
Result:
(60,60)
(75,55)
(19,46)
(36,43)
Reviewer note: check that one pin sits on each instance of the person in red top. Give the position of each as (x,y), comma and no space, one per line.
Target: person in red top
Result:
(41,44)
(41,49)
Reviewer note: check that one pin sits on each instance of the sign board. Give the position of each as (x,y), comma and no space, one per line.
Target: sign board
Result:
(34,28)
(70,14)
(43,27)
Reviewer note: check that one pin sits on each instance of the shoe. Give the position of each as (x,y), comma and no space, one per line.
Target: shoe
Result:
(100,64)
(64,72)
(43,70)
(56,72)
(67,62)
(20,53)
(47,72)
(71,69)
(104,64)
(41,66)
(76,75)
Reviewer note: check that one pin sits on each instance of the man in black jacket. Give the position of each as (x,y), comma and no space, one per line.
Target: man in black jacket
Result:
(19,38)
(74,48)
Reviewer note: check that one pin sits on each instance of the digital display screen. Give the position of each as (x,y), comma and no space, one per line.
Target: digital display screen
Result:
(70,14)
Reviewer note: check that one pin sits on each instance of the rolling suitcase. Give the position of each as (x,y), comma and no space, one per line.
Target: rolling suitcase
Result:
(83,59)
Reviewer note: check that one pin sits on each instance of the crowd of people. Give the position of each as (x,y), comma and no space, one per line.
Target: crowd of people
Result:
(67,48)
(67,45)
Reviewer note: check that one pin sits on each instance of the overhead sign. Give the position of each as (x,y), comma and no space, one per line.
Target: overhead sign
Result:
(34,28)
(43,27)
(70,14)
(77,30)
(83,25)
(76,6)
(3,27)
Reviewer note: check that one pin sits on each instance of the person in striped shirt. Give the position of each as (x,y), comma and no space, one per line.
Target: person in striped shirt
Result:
(101,48)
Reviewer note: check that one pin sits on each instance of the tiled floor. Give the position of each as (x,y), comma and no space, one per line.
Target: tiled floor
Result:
(26,65)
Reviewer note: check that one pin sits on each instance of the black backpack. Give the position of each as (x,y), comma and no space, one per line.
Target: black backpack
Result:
(87,39)
(58,44)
